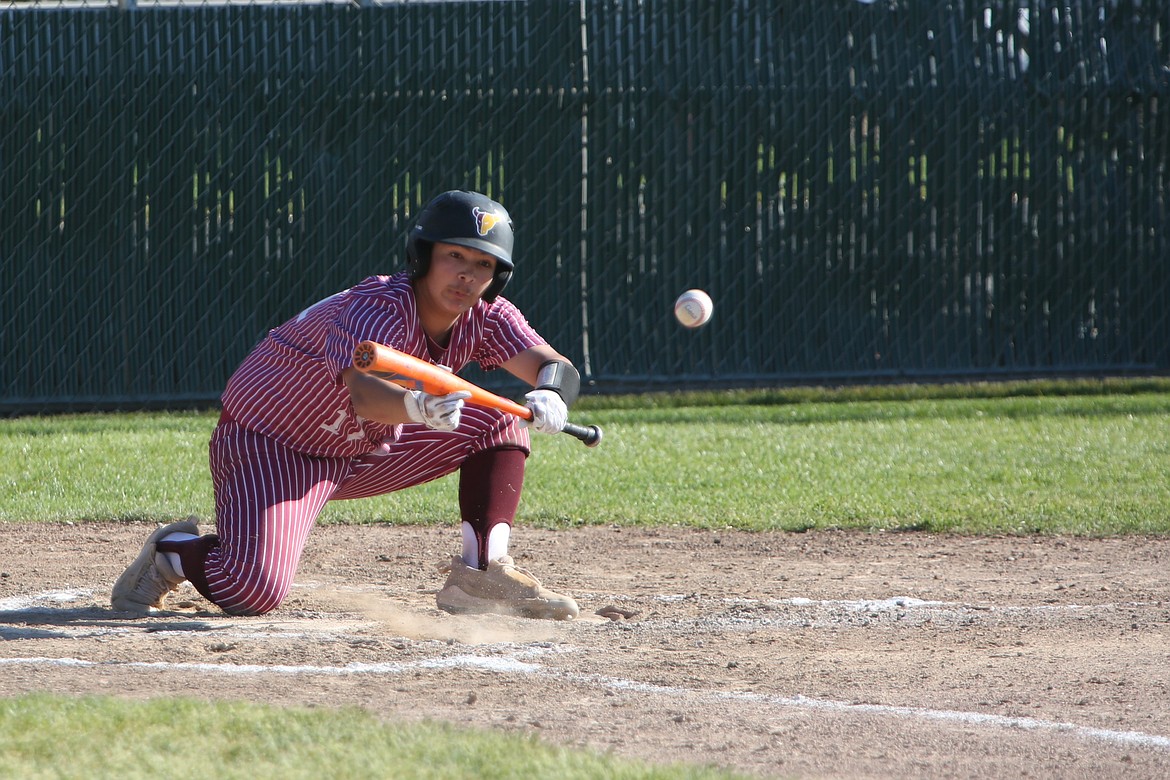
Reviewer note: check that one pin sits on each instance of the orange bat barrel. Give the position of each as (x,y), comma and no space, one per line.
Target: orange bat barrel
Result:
(410,372)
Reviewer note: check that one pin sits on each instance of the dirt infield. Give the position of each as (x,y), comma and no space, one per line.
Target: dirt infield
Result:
(816,655)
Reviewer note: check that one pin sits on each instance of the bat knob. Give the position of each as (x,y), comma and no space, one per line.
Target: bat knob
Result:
(594,437)
(589,435)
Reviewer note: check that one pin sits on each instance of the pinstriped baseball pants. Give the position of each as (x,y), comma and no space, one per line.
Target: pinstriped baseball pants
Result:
(267,496)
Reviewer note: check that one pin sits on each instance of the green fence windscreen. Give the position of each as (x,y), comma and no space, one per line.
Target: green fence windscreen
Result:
(868,191)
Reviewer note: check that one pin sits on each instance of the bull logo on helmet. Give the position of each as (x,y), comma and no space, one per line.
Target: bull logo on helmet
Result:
(485,220)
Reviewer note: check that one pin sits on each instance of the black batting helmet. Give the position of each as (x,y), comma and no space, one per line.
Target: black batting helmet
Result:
(467,219)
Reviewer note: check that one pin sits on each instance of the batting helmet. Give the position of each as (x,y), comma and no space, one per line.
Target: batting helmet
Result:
(467,219)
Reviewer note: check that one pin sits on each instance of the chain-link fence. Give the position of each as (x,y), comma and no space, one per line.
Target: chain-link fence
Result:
(895,189)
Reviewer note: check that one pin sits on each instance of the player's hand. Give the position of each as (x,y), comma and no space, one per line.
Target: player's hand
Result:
(549,413)
(438,412)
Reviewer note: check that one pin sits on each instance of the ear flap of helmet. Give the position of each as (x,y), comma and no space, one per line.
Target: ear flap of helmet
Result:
(418,256)
(498,284)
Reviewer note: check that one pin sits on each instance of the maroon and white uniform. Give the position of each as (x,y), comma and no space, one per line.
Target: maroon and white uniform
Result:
(289,439)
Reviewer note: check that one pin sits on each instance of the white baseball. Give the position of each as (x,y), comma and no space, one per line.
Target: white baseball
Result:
(693,308)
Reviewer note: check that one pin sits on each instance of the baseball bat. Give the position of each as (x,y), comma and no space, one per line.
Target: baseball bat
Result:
(412,373)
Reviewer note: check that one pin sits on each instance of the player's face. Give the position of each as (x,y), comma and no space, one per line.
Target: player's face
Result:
(456,278)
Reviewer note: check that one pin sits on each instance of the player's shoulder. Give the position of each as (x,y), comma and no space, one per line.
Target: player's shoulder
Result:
(504,322)
(393,291)
(377,299)
(501,310)
(382,284)
(499,307)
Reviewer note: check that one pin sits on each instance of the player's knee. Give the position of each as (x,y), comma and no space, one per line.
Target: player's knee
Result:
(257,593)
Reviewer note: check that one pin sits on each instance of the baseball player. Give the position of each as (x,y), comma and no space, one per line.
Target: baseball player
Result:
(301,426)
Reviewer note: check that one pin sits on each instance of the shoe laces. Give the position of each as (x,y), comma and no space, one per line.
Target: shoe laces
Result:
(508,565)
(505,562)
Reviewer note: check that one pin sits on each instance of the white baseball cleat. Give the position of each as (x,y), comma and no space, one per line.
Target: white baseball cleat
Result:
(147,581)
(503,589)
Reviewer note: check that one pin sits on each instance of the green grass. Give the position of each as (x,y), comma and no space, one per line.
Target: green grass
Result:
(45,736)
(1077,464)
(1025,458)
(1076,458)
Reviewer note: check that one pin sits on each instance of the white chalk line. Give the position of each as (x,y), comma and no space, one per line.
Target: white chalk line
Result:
(41,600)
(515,665)
(793,611)
(507,665)
(220,626)
(903,603)
(45,601)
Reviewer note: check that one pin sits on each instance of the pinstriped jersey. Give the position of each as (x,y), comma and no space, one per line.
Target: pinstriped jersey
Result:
(289,387)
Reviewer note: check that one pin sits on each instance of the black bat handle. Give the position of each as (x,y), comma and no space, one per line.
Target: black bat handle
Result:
(590,435)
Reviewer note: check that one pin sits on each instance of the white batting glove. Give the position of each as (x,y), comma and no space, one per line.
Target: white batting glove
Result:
(438,412)
(549,413)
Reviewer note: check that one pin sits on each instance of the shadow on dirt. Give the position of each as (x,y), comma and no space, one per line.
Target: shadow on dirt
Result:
(64,623)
